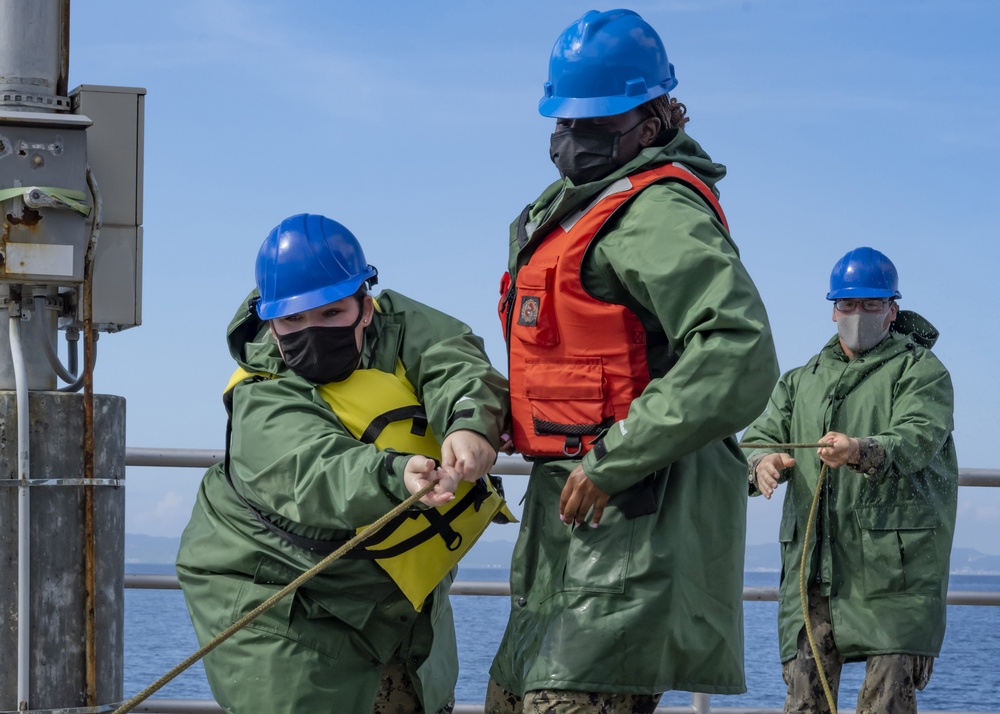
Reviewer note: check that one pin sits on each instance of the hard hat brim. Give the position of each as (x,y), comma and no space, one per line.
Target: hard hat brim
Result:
(588,107)
(862,292)
(308,301)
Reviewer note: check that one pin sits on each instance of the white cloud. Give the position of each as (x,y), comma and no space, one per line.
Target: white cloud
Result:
(153,511)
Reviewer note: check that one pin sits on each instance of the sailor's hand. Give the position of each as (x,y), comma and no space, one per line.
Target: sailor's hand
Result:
(768,473)
(579,497)
(468,453)
(420,471)
(507,444)
(842,450)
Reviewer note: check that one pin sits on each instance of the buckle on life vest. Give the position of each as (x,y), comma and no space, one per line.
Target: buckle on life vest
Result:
(573,446)
(442,526)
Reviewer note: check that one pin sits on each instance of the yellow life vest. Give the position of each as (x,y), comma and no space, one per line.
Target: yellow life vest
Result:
(421,546)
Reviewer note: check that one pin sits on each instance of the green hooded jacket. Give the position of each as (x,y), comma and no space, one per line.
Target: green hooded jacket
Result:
(884,536)
(295,461)
(651,602)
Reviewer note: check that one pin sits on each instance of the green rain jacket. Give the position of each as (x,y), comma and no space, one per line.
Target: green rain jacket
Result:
(652,602)
(294,460)
(884,536)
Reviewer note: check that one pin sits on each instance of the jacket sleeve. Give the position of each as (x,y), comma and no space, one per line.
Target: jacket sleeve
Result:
(771,427)
(447,365)
(922,417)
(672,259)
(292,457)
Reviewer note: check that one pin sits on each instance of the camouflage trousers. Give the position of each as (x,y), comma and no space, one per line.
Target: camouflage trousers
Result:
(396,693)
(890,683)
(564,701)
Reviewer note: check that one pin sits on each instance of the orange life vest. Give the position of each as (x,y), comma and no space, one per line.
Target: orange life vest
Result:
(575,361)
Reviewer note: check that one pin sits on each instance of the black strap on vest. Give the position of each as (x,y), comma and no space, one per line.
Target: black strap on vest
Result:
(379,423)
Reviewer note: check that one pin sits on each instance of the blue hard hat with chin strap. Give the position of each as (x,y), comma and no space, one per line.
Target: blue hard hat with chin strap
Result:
(864,273)
(308,261)
(605,63)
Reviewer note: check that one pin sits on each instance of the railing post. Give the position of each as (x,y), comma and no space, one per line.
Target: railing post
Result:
(701,703)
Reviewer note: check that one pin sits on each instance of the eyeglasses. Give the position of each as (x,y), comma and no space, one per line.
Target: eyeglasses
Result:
(868,305)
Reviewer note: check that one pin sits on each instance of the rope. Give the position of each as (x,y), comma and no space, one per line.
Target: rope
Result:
(272,601)
(803,591)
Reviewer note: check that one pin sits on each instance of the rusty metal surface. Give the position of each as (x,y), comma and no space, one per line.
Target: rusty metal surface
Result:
(57,557)
(90,582)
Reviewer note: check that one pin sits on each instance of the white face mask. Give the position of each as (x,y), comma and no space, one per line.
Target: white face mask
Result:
(860,331)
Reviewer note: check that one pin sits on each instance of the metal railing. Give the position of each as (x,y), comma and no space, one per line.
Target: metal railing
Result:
(506,466)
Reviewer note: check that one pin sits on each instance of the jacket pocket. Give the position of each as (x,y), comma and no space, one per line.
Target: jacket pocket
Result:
(534,317)
(566,395)
(598,558)
(899,550)
(786,542)
(297,616)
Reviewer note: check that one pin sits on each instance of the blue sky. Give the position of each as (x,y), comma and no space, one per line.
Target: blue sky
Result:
(416,125)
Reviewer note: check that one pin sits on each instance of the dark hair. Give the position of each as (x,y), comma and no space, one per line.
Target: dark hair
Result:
(671,113)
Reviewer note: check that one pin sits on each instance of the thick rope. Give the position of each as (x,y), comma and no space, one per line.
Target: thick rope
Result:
(272,601)
(803,590)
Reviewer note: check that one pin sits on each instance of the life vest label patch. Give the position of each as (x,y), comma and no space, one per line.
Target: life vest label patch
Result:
(528,315)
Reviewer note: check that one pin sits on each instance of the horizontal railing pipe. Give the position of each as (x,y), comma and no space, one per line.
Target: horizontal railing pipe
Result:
(979,477)
(505,466)
(203,458)
(145,581)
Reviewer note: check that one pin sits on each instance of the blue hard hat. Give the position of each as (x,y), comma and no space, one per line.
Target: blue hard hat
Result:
(605,63)
(864,273)
(308,261)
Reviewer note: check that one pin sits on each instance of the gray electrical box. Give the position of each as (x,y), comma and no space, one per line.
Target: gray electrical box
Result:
(43,174)
(115,154)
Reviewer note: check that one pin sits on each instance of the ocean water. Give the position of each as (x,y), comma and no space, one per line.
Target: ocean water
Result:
(158,635)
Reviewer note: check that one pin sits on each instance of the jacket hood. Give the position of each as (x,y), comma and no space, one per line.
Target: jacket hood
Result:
(562,197)
(916,327)
(250,342)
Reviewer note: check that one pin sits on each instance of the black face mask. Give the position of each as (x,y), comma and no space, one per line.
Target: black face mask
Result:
(585,155)
(322,354)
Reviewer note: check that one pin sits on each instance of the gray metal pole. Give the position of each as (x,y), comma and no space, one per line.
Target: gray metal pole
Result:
(34,54)
(34,63)
(58,653)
